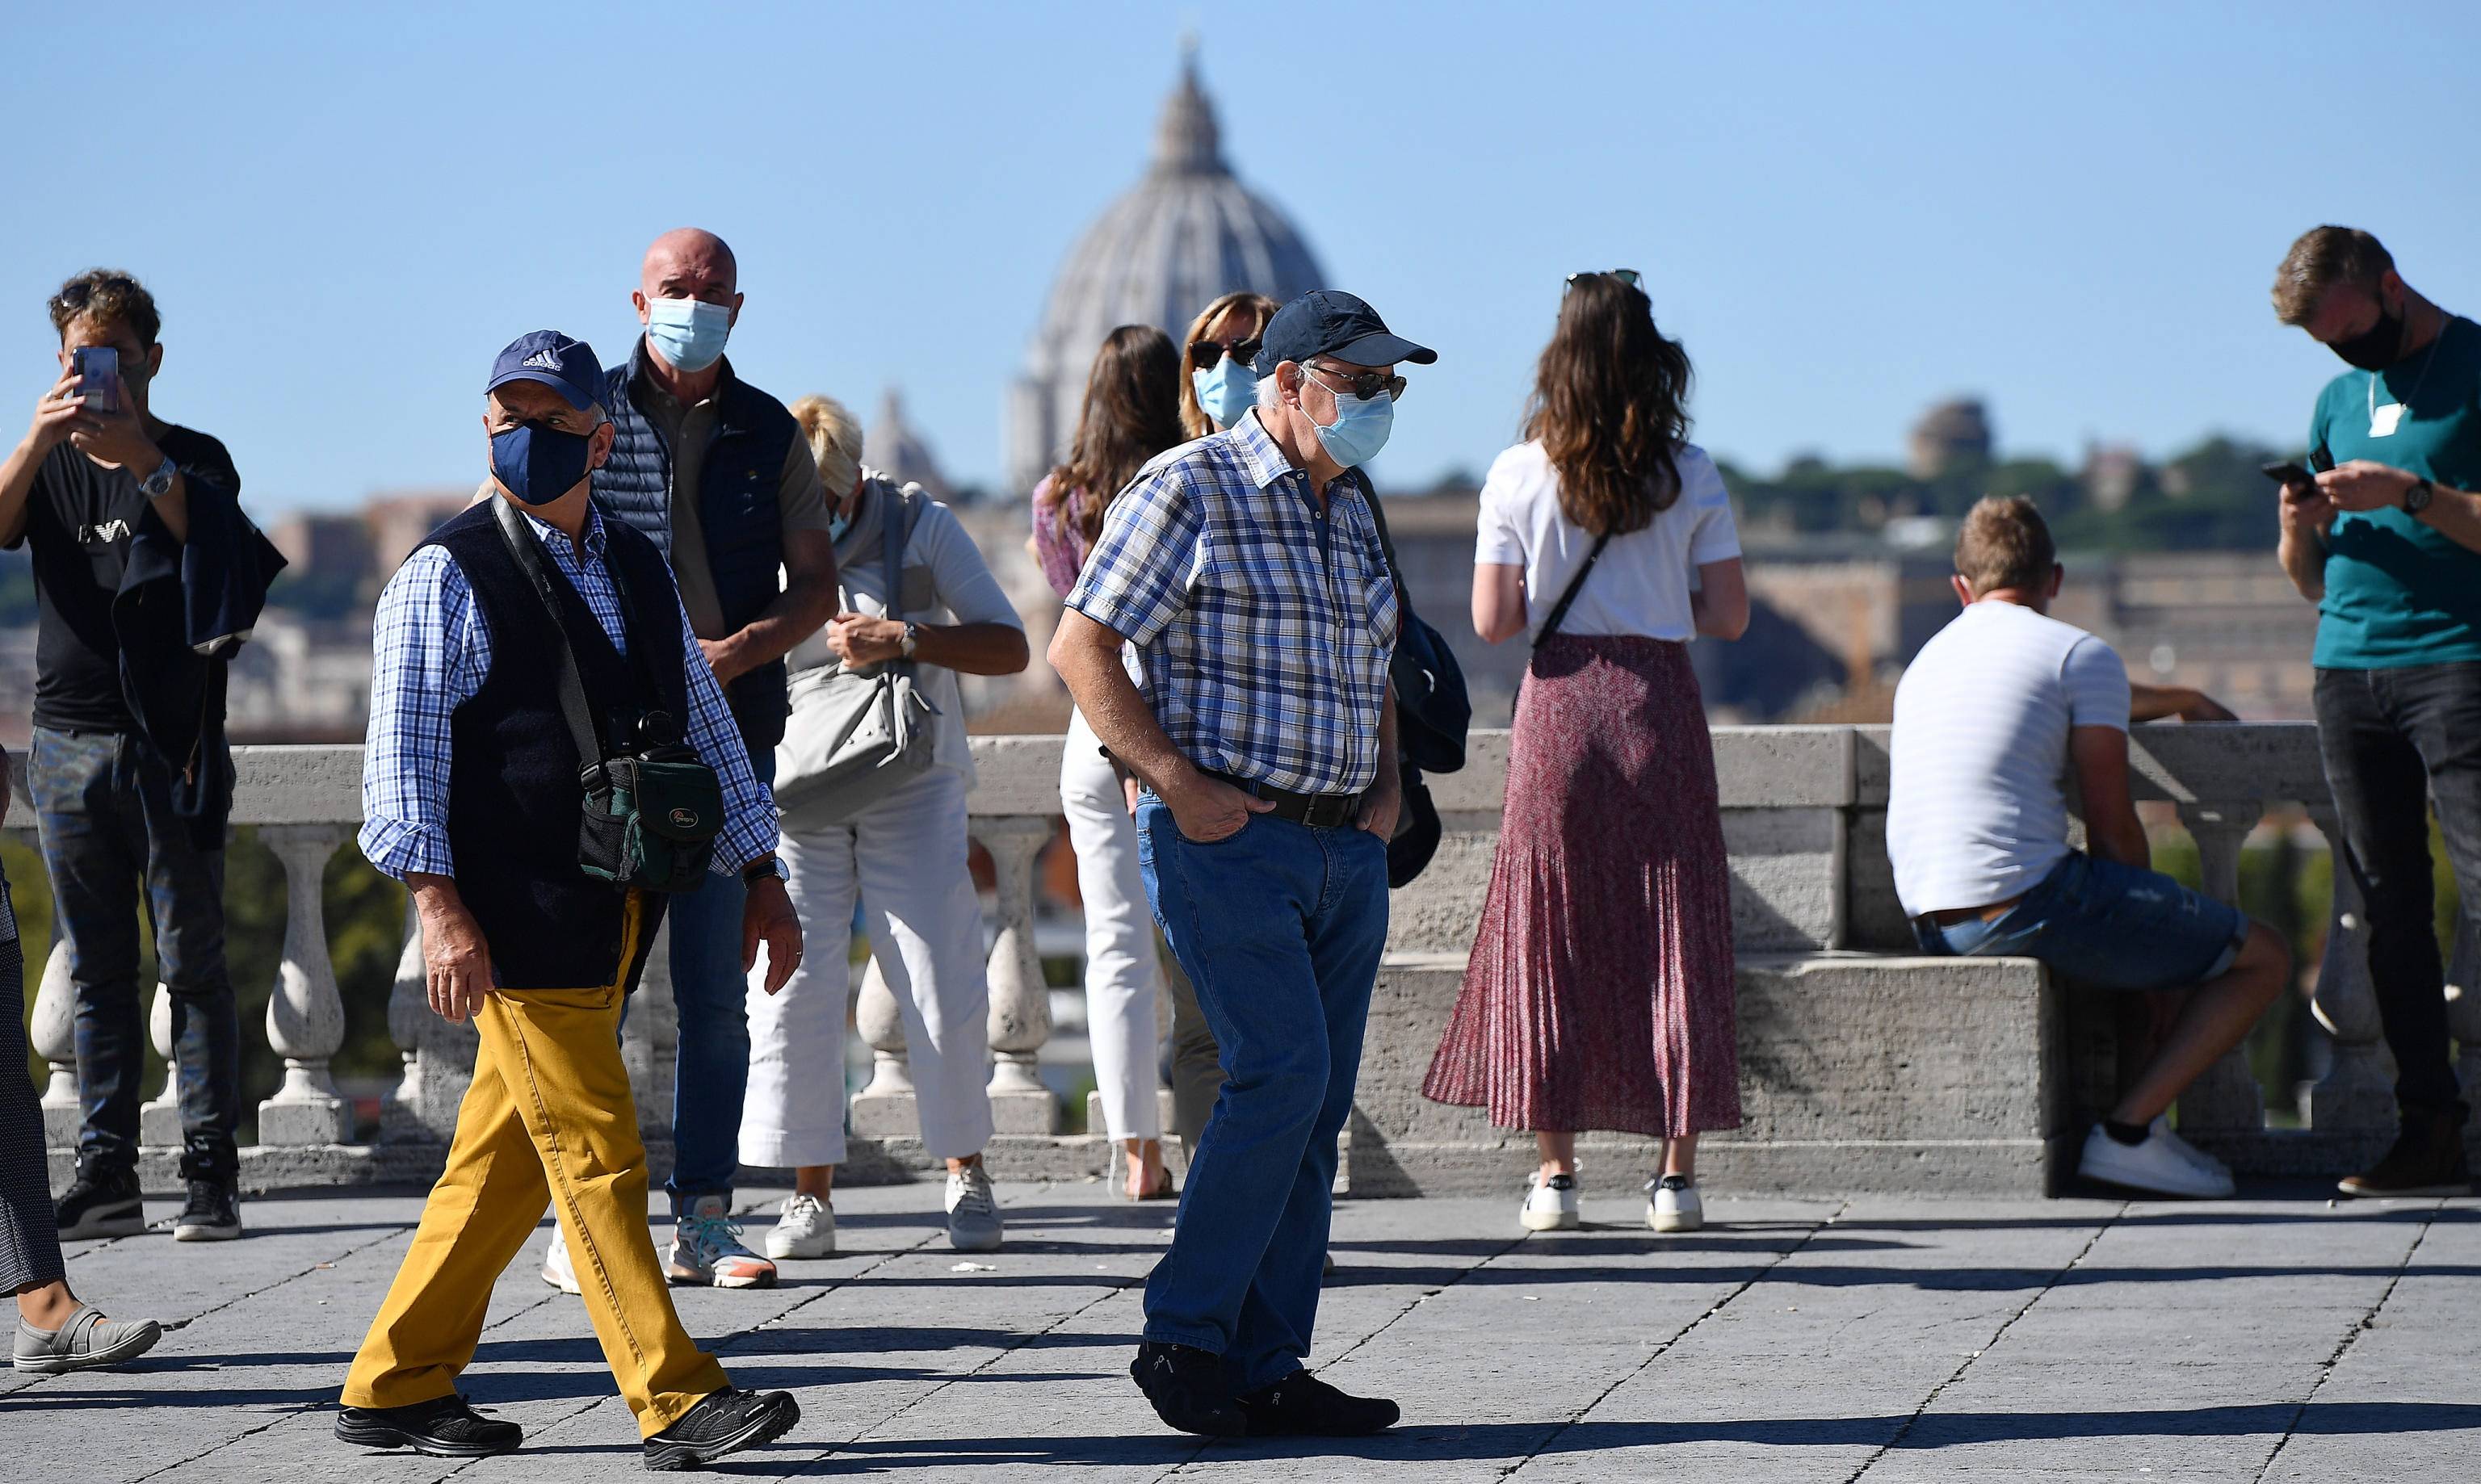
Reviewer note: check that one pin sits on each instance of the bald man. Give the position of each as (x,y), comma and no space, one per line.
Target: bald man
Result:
(718,475)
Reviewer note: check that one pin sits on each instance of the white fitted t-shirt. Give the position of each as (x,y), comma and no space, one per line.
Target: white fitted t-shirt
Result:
(1977,806)
(1641,583)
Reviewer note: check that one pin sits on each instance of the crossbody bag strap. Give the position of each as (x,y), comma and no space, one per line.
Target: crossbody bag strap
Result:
(1559,610)
(527,549)
(894,534)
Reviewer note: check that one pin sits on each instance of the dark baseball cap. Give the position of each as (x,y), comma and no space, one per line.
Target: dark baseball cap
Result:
(565,365)
(1328,322)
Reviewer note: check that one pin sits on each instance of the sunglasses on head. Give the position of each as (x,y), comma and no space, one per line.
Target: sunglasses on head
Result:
(1204,353)
(1365,384)
(1627,275)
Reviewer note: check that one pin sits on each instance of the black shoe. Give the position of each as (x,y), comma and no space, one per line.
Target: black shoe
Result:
(2427,1159)
(211,1215)
(445,1427)
(1185,1384)
(1303,1406)
(100,1206)
(724,1421)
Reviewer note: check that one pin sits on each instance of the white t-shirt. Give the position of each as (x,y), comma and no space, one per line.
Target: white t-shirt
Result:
(1976,809)
(946,581)
(1641,583)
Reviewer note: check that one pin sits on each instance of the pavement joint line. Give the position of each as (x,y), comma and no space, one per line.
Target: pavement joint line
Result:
(1988,1345)
(1665,1348)
(2351,1337)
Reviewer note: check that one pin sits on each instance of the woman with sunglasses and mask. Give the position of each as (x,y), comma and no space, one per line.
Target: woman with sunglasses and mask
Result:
(1600,993)
(1134,402)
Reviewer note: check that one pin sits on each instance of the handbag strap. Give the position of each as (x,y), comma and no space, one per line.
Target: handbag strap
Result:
(1559,610)
(894,534)
(527,549)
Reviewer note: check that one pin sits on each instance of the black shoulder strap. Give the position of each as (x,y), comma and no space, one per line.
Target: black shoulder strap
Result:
(528,550)
(1559,610)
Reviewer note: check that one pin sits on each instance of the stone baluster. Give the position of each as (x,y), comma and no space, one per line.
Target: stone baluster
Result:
(1020,1001)
(2227,1098)
(2463,1020)
(438,1055)
(650,1046)
(884,1108)
(2356,1094)
(54,1034)
(159,1117)
(305,1014)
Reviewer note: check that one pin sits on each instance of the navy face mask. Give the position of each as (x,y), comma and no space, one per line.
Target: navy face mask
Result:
(538,464)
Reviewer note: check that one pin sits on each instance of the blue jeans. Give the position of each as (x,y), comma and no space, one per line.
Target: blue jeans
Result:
(1280,927)
(103,808)
(2106,926)
(711,1069)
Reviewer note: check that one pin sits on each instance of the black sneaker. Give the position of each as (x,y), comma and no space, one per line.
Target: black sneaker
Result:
(1303,1406)
(724,1421)
(445,1427)
(211,1215)
(2427,1159)
(100,1206)
(1185,1384)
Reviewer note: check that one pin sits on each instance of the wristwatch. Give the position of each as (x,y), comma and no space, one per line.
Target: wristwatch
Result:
(768,864)
(2416,499)
(912,640)
(156,485)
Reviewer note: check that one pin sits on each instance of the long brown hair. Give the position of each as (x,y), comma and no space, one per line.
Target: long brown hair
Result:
(1258,308)
(1607,407)
(1130,414)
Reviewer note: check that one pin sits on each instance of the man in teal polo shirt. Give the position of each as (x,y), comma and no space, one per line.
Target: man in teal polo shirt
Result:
(2386,542)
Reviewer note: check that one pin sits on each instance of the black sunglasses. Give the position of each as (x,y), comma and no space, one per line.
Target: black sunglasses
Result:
(1627,275)
(1204,353)
(1366,384)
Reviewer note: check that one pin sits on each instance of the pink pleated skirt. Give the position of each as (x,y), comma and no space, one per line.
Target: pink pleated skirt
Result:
(1600,994)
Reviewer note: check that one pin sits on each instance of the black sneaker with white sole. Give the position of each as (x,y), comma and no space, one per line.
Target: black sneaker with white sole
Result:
(444,1428)
(100,1206)
(722,1422)
(213,1213)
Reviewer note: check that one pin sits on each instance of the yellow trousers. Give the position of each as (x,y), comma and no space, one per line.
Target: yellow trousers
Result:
(549,1115)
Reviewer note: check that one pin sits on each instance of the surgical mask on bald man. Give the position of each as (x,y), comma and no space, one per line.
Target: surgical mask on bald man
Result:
(689,333)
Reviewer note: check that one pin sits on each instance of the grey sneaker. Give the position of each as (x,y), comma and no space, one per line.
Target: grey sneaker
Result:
(89,1341)
(973,1211)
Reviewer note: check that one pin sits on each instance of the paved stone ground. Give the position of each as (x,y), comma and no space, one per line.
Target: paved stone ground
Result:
(2270,1338)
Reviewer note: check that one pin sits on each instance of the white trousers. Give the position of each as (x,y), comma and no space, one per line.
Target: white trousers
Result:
(1123,977)
(905,858)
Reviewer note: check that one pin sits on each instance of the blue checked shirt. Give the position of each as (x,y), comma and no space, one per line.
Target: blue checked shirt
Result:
(433,653)
(1259,627)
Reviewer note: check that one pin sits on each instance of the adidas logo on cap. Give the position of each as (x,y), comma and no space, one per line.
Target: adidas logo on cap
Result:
(544,359)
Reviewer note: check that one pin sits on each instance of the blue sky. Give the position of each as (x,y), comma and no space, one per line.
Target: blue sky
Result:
(1846,211)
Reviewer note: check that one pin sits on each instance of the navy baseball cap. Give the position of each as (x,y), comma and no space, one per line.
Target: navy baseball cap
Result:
(1328,322)
(566,366)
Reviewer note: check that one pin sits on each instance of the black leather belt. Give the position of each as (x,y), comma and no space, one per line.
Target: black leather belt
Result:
(1318,811)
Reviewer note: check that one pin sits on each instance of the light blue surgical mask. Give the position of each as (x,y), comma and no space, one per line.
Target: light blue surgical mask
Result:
(838,523)
(1226,391)
(690,332)
(1360,430)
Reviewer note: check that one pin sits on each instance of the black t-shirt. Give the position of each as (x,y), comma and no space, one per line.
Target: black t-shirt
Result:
(79,519)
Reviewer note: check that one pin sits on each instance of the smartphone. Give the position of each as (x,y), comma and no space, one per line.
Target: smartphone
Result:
(98,374)
(2290,476)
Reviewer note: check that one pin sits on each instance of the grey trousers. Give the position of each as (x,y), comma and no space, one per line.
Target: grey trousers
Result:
(1196,1065)
(29,1244)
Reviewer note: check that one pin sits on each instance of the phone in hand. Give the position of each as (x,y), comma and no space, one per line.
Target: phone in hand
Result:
(2295,479)
(98,374)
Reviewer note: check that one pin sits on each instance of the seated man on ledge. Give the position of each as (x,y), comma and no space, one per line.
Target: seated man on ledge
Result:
(1988,719)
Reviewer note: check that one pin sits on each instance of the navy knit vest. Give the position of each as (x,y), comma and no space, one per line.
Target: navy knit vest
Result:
(514,801)
(736,511)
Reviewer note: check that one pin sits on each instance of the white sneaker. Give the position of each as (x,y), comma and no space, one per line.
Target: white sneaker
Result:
(708,1252)
(806,1229)
(1673,1205)
(973,1211)
(1550,1204)
(2153,1166)
(2160,1128)
(557,1269)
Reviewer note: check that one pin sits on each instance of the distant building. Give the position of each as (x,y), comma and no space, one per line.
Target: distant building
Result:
(401,521)
(892,447)
(1951,437)
(1187,234)
(335,547)
(2112,475)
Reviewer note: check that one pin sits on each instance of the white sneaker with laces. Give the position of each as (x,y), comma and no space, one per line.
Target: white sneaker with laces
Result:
(2153,1166)
(973,1211)
(1673,1205)
(1549,1203)
(707,1250)
(557,1269)
(806,1228)
(2160,1128)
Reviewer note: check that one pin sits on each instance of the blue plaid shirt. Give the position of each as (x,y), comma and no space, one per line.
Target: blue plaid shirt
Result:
(434,651)
(1261,627)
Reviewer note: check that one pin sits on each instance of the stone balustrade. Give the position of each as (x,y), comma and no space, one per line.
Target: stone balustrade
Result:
(1863,1067)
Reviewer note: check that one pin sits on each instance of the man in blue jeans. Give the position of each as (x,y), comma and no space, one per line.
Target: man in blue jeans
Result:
(1245,576)
(1991,717)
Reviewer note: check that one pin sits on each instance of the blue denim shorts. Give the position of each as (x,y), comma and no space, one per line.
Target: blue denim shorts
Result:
(2104,925)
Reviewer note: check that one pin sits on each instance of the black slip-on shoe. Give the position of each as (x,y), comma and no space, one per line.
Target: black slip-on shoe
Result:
(445,1427)
(1185,1384)
(213,1213)
(722,1422)
(99,1206)
(1303,1406)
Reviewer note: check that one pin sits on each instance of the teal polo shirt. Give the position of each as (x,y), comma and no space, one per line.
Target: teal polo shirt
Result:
(2398,592)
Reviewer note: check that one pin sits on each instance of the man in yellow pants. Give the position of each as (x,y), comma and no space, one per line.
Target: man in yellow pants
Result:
(493,678)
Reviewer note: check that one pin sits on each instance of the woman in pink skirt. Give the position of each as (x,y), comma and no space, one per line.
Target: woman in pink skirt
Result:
(1600,991)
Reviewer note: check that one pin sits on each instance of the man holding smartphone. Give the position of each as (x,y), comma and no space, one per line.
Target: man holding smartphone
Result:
(2386,539)
(98,484)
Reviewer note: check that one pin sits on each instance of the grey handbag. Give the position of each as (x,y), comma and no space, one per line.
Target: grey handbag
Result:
(855,735)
